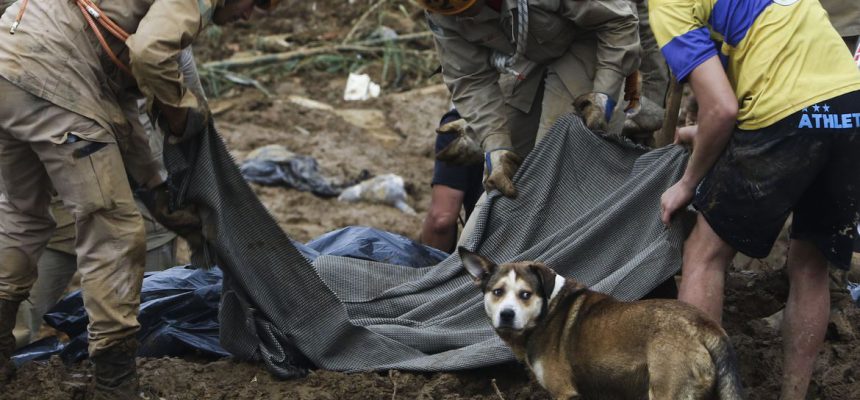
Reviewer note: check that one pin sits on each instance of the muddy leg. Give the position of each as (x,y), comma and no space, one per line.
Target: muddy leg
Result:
(706,258)
(806,315)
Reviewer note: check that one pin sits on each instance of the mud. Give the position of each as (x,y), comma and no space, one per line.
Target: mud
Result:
(394,134)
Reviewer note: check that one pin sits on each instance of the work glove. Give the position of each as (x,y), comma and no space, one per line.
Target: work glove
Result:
(595,108)
(644,121)
(463,150)
(184,221)
(196,122)
(499,170)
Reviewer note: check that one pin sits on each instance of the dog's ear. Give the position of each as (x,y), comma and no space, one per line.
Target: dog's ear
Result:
(477,265)
(546,277)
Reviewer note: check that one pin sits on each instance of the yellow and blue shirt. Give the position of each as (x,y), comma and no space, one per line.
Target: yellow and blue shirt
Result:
(780,55)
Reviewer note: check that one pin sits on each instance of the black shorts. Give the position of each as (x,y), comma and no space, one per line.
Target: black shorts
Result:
(807,164)
(467,179)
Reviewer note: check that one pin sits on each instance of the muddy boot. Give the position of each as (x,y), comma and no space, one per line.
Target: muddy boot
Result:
(115,372)
(8,311)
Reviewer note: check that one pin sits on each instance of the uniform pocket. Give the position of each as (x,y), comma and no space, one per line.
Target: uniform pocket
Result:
(91,176)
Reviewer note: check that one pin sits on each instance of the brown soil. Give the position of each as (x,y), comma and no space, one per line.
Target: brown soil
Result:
(394,134)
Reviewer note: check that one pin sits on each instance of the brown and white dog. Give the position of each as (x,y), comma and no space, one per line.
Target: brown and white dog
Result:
(584,344)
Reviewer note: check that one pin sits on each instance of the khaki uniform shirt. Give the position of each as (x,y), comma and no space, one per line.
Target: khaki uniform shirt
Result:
(466,43)
(55,56)
(844,15)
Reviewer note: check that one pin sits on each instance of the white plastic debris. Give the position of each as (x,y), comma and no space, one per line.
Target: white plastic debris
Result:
(854,289)
(383,189)
(360,87)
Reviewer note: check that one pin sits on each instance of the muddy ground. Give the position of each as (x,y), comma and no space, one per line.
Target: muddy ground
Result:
(394,134)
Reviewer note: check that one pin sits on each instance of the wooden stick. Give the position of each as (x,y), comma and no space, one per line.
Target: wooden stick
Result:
(361,47)
(361,20)
(670,120)
(393,381)
(498,392)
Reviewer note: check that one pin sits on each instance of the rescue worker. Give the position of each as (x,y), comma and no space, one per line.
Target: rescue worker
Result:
(57,266)
(453,187)
(71,75)
(553,58)
(641,123)
(778,133)
(845,17)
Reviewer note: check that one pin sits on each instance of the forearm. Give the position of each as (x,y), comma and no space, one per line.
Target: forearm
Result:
(717,119)
(615,26)
(709,141)
(154,50)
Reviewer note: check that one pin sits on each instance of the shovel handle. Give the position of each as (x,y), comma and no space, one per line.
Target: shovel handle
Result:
(670,120)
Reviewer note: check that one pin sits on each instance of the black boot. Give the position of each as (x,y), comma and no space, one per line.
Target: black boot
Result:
(116,372)
(8,311)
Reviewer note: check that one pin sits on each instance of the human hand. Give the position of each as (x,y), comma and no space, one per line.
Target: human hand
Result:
(595,109)
(461,151)
(501,165)
(685,135)
(676,197)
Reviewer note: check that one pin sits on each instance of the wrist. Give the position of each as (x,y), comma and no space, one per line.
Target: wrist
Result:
(689,182)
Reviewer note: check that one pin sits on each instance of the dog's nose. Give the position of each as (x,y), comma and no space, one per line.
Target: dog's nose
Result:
(507,316)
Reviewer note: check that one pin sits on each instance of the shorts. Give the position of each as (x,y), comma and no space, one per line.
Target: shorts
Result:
(465,178)
(807,164)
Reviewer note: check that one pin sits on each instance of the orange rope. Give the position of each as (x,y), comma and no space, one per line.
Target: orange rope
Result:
(106,22)
(18,18)
(100,37)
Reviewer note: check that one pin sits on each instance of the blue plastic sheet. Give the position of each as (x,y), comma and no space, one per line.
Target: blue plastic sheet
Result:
(179,306)
(376,245)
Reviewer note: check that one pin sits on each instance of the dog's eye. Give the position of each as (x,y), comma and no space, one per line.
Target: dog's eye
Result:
(498,292)
(525,295)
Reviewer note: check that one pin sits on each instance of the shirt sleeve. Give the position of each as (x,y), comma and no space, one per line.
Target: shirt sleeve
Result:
(615,24)
(684,38)
(474,86)
(168,27)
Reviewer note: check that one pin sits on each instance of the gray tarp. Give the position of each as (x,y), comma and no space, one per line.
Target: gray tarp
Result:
(588,207)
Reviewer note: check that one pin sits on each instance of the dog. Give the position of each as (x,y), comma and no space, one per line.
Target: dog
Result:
(581,344)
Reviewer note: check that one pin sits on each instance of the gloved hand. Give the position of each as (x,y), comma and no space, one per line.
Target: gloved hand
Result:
(184,221)
(595,109)
(463,150)
(181,124)
(644,121)
(194,121)
(499,170)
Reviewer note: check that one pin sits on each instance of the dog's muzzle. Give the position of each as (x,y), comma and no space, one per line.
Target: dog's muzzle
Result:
(506,318)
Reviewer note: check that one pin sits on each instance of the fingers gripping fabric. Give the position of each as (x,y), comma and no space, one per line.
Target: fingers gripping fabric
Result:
(588,207)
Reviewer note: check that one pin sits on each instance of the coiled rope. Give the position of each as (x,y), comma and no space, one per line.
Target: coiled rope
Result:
(504,63)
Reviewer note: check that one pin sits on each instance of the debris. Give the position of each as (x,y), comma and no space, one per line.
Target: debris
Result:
(384,189)
(364,46)
(274,43)
(496,387)
(373,122)
(275,165)
(360,87)
(309,104)
(360,20)
(854,289)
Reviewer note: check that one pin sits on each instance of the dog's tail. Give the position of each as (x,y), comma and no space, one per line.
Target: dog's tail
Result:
(725,361)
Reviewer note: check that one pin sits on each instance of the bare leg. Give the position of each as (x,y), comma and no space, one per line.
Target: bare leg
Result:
(807,312)
(706,258)
(440,226)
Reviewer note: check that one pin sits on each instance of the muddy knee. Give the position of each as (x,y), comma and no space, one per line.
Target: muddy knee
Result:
(17,274)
